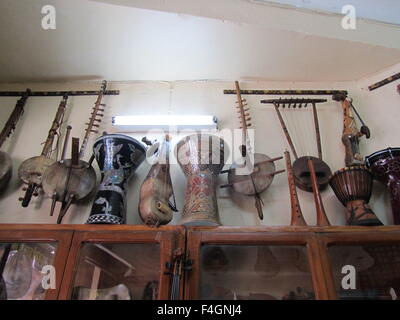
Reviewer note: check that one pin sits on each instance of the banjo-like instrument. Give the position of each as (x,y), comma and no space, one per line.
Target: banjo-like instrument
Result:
(31,170)
(259,167)
(9,127)
(70,180)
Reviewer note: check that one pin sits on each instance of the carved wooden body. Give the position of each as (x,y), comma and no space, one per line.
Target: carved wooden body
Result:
(156,189)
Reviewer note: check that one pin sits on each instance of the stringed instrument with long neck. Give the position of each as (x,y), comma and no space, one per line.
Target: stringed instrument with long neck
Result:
(9,127)
(155,208)
(31,170)
(256,171)
(70,180)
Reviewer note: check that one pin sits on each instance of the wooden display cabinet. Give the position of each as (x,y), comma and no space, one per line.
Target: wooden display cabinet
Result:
(130,262)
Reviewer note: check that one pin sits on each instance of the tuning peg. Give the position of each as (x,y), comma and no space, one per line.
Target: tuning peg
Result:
(249,125)
(248,119)
(94,125)
(102,104)
(247,114)
(100,114)
(98,120)
(94,131)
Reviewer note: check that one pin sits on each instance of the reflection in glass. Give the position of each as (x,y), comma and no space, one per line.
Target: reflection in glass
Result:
(255,273)
(20,270)
(376,271)
(117,272)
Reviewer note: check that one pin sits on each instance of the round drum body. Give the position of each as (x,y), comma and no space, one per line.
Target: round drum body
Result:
(32,170)
(302,177)
(59,178)
(118,156)
(353,187)
(385,166)
(243,183)
(201,157)
(5,170)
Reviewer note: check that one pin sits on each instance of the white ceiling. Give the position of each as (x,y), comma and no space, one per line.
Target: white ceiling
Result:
(96,40)
(386,11)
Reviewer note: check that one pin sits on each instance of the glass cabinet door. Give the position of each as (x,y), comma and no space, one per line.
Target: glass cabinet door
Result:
(121,263)
(255,272)
(366,271)
(110,271)
(23,267)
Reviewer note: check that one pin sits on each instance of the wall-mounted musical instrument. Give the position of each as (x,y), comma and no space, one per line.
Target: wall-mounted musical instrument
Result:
(70,180)
(352,185)
(118,157)
(9,127)
(322,219)
(296,113)
(297,218)
(201,157)
(155,208)
(351,135)
(385,166)
(260,168)
(31,170)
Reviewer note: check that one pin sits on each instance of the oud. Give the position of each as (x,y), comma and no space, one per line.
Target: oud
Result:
(155,207)
(260,168)
(31,170)
(70,180)
(9,127)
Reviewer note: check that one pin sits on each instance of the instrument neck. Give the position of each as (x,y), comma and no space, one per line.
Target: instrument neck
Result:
(54,127)
(93,119)
(349,122)
(14,117)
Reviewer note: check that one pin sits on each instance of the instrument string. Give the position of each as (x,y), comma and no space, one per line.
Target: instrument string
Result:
(311,138)
(292,128)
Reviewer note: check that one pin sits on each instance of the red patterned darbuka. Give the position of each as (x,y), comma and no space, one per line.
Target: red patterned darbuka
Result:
(385,165)
(201,157)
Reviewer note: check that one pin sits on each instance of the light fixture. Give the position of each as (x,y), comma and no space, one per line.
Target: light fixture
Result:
(142,123)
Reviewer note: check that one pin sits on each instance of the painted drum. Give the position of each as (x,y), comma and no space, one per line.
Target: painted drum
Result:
(201,157)
(385,166)
(118,156)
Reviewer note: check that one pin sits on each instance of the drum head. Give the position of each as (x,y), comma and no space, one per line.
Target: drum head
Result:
(302,176)
(381,155)
(33,169)
(243,183)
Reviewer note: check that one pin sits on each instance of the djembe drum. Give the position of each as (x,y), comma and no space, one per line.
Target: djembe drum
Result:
(201,157)
(353,187)
(118,156)
(385,165)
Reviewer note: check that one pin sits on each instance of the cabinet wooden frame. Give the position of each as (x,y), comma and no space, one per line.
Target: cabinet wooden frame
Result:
(169,238)
(198,236)
(31,233)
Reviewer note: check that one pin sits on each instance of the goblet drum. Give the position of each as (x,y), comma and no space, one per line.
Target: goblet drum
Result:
(385,166)
(353,187)
(201,157)
(118,156)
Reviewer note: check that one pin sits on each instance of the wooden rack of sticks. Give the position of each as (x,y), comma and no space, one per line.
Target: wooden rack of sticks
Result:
(57,93)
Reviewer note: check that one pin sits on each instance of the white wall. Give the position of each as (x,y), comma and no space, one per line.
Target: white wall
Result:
(380,109)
